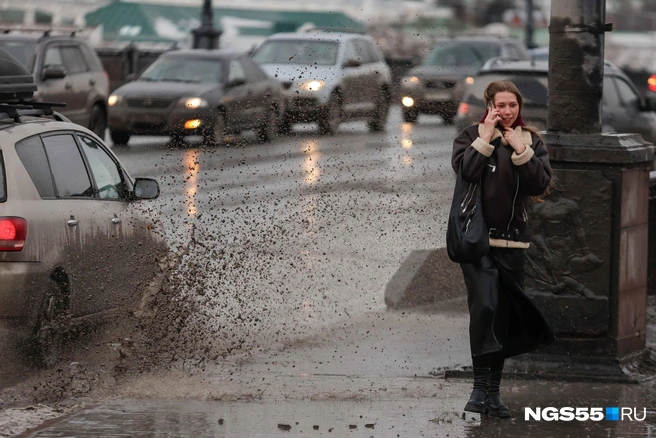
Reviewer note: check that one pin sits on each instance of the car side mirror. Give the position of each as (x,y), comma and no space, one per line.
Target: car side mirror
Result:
(352,63)
(236,82)
(54,72)
(145,188)
(130,77)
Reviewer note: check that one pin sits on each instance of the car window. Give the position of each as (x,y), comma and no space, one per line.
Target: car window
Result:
(253,71)
(33,156)
(628,97)
(365,52)
(73,60)
(297,52)
(533,88)
(91,58)
(3,181)
(68,169)
(350,52)
(512,51)
(461,55)
(236,71)
(23,51)
(206,71)
(373,51)
(610,96)
(53,56)
(105,170)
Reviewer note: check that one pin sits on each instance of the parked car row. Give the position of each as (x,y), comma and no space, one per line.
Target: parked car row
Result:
(437,85)
(452,78)
(292,77)
(622,108)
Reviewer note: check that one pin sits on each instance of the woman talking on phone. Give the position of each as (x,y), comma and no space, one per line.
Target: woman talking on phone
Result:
(511,163)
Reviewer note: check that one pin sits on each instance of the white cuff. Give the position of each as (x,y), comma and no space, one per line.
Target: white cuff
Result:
(483,147)
(523,158)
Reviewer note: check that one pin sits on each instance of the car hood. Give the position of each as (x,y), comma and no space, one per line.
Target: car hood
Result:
(300,72)
(431,71)
(170,90)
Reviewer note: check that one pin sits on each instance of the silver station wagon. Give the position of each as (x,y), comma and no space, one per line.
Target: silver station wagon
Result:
(73,233)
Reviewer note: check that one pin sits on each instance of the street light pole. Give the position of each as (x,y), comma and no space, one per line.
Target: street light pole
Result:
(576,65)
(588,256)
(205,36)
(529,25)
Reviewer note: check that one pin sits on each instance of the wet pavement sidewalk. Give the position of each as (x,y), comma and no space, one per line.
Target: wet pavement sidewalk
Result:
(379,375)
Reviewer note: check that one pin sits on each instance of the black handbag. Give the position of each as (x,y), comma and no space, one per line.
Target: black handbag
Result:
(467,238)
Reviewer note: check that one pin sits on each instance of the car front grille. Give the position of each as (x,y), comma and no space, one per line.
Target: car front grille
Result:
(149,102)
(435,83)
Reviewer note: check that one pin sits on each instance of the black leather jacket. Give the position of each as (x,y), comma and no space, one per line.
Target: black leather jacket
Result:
(508,179)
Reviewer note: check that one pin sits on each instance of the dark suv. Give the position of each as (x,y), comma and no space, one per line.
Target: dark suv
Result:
(436,86)
(622,108)
(65,69)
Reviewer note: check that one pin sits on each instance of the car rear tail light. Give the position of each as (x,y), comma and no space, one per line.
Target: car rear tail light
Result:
(463,108)
(12,233)
(651,82)
(106,75)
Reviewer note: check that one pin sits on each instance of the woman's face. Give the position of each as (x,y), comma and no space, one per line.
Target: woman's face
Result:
(506,103)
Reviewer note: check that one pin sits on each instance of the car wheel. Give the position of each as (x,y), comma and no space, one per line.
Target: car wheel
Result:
(52,325)
(216,133)
(268,131)
(331,119)
(410,116)
(98,121)
(379,120)
(120,138)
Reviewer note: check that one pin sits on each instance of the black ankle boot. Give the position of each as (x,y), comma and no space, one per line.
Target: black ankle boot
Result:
(494,405)
(478,398)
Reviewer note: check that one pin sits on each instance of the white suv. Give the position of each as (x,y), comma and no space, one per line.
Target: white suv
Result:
(328,77)
(74,240)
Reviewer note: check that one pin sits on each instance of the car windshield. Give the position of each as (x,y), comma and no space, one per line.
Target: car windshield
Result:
(532,85)
(192,70)
(297,52)
(457,54)
(23,51)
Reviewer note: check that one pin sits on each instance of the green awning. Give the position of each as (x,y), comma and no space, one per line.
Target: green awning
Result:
(123,21)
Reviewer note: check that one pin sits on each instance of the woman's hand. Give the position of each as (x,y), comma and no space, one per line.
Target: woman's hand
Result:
(513,140)
(490,124)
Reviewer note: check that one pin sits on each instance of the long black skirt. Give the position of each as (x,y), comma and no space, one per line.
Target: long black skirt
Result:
(502,317)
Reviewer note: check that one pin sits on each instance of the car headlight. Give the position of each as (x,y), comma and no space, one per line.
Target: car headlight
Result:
(313,85)
(193,102)
(114,99)
(410,81)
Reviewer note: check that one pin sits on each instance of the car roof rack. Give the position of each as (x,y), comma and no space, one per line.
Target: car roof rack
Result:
(16,110)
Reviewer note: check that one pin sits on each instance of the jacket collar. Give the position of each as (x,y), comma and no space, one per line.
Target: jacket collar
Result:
(524,134)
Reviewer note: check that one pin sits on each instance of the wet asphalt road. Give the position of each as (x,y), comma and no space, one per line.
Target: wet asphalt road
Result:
(289,247)
(302,232)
